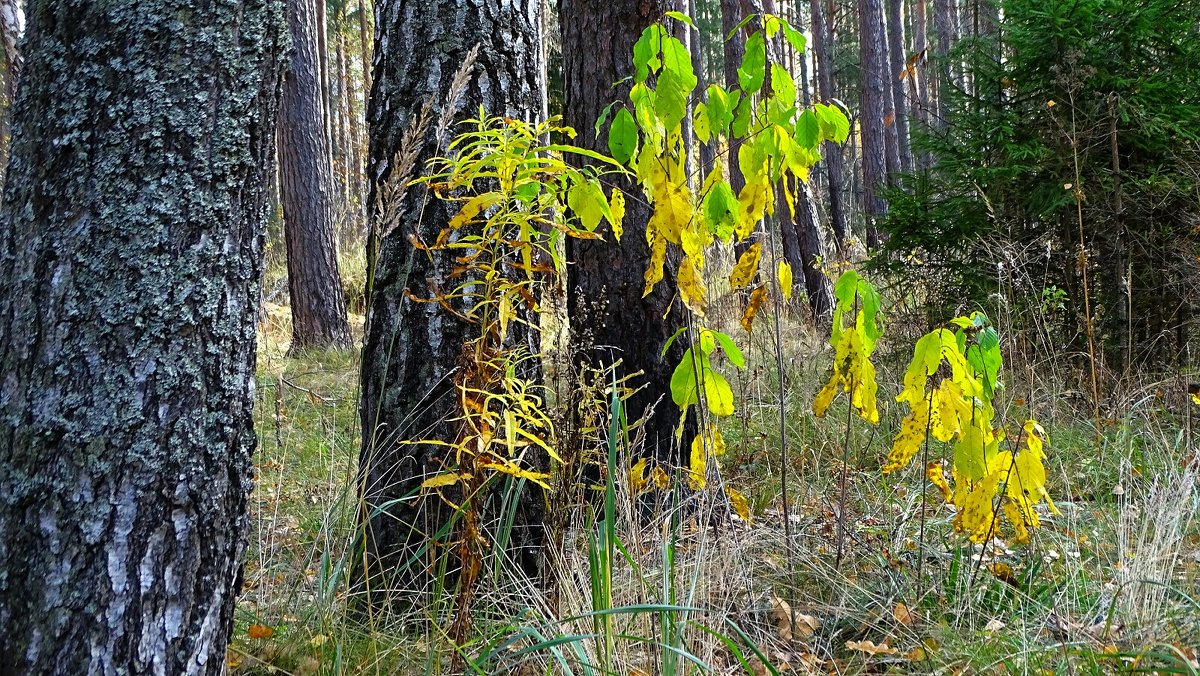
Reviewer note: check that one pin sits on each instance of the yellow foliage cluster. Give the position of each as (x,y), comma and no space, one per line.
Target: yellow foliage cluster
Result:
(958,409)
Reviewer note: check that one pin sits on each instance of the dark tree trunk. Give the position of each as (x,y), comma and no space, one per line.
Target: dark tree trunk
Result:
(834,161)
(943,24)
(896,61)
(803,250)
(875,96)
(131,240)
(413,349)
(318,302)
(610,319)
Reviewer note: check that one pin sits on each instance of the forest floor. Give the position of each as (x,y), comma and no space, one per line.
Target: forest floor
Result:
(1112,584)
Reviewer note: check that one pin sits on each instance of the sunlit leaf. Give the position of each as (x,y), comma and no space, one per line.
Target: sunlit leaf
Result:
(747,266)
(757,298)
(784,275)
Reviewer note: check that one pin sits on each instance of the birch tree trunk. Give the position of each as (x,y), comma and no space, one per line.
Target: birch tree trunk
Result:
(131,240)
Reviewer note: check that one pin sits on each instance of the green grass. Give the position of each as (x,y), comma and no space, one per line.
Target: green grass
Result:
(1093,593)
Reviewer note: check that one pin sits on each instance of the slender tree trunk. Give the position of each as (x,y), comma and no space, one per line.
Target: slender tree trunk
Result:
(874,97)
(834,160)
(318,302)
(944,27)
(918,76)
(413,349)
(604,286)
(12,25)
(803,250)
(345,134)
(131,239)
(895,38)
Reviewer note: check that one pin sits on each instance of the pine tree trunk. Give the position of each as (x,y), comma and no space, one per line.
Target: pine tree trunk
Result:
(610,319)
(895,38)
(803,249)
(413,349)
(318,301)
(943,23)
(874,97)
(834,159)
(131,239)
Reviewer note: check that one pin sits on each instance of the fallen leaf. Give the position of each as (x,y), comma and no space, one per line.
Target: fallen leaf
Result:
(259,631)
(994,625)
(872,648)
(903,615)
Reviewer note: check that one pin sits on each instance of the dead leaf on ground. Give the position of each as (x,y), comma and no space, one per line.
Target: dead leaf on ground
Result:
(872,648)
(903,615)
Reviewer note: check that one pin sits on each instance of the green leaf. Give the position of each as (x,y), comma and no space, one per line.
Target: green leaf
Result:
(731,349)
(670,99)
(834,125)
(680,16)
(683,381)
(720,108)
(745,20)
(586,199)
(622,137)
(700,123)
(676,59)
(795,37)
(718,394)
(646,51)
(671,341)
(742,117)
(753,72)
(808,130)
(603,117)
(721,209)
(783,98)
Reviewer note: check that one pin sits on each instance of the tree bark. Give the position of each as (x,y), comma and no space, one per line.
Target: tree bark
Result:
(895,40)
(803,249)
(413,349)
(610,319)
(131,239)
(874,106)
(834,160)
(318,301)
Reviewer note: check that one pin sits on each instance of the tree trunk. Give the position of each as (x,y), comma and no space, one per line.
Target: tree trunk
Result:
(943,24)
(874,98)
(834,161)
(895,39)
(412,349)
(803,250)
(318,302)
(131,239)
(610,319)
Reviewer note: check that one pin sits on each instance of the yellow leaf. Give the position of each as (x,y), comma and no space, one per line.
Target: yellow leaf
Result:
(718,441)
(738,502)
(617,207)
(691,287)
(757,298)
(747,266)
(512,469)
(659,478)
(950,411)
(977,512)
(658,257)
(718,394)
(1020,527)
(259,631)
(910,437)
(937,477)
(784,274)
(825,397)
(637,477)
(444,479)
(698,466)
(753,200)
(472,208)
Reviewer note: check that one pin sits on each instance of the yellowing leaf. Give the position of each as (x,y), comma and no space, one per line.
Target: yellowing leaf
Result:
(718,441)
(718,394)
(951,412)
(617,207)
(784,274)
(659,478)
(658,258)
(747,266)
(977,512)
(738,502)
(637,477)
(444,479)
(691,287)
(757,298)
(853,372)
(698,466)
(472,208)
(937,477)
(515,470)
(910,437)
